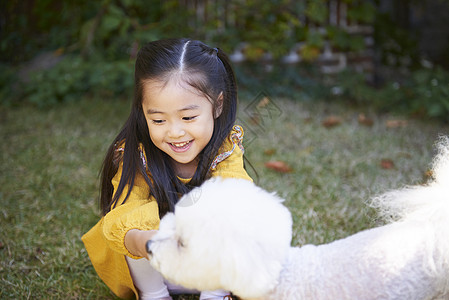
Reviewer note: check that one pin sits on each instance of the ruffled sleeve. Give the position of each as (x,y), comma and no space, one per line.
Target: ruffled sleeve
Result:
(229,163)
(140,211)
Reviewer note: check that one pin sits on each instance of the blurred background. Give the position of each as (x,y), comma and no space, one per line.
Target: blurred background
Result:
(389,54)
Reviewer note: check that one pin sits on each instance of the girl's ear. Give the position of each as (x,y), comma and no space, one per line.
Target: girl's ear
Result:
(219,106)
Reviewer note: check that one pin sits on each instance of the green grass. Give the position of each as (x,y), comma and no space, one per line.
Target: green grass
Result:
(49,181)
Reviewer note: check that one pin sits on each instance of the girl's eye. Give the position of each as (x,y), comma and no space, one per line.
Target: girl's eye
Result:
(158,121)
(189,118)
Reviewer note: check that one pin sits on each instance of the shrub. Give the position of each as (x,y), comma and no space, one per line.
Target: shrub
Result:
(73,78)
(423,93)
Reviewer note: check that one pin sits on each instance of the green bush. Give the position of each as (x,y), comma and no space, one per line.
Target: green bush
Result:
(423,93)
(8,80)
(297,81)
(73,78)
(430,89)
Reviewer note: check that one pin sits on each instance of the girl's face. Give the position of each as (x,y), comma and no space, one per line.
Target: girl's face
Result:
(180,122)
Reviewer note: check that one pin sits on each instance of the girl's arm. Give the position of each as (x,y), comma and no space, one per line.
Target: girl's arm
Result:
(139,212)
(136,239)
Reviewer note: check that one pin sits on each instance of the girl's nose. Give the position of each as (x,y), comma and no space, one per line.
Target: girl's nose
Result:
(176,131)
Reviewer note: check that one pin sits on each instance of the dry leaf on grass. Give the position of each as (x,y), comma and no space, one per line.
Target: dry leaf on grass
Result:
(278,166)
(428,175)
(269,151)
(396,123)
(387,164)
(364,120)
(331,121)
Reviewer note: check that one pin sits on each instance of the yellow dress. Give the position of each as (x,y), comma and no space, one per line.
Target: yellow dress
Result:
(105,241)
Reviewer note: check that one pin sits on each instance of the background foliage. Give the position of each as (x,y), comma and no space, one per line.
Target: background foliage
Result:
(90,47)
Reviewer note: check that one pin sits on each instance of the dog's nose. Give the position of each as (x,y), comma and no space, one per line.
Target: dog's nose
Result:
(148,248)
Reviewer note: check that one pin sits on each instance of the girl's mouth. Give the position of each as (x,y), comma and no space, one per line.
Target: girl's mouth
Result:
(181,147)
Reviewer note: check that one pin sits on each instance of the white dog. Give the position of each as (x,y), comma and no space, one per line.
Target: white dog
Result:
(230,234)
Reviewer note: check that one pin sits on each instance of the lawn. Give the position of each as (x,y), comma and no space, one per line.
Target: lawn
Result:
(51,158)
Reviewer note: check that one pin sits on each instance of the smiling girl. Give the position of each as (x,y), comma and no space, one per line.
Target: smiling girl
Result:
(179,133)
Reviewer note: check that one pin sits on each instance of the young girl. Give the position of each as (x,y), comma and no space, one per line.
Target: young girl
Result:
(179,133)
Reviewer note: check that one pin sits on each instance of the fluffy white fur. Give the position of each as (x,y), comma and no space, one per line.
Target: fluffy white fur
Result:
(233,235)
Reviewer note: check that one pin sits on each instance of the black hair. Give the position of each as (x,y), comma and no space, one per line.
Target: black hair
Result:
(204,68)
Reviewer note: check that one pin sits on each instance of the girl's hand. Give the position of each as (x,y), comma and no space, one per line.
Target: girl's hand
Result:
(136,239)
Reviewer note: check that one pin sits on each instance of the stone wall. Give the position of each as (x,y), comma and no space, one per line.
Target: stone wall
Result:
(330,60)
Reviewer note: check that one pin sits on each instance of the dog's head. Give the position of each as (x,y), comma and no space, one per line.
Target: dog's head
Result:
(227,234)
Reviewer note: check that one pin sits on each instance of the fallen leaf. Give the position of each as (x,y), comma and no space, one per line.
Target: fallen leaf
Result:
(331,121)
(364,120)
(278,166)
(387,164)
(269,151)
(396,123)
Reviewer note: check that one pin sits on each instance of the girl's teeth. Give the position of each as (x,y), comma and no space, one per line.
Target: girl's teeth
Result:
(180,144)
